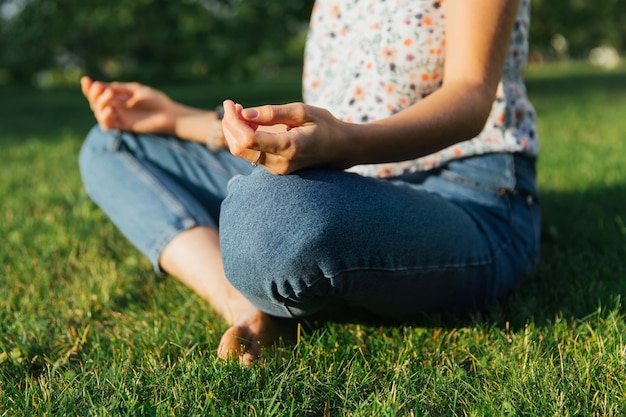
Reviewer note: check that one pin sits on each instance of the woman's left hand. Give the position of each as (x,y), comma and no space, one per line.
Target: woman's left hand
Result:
(284,138)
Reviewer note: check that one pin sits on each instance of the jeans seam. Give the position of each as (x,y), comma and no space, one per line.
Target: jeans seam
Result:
(460,179)
(450,266)
(152,182)
(165,237)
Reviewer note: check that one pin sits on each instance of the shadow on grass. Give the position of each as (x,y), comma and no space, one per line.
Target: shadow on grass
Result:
(575,84)
(582,266)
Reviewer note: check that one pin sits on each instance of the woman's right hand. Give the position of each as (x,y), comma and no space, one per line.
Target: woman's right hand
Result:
(130,106)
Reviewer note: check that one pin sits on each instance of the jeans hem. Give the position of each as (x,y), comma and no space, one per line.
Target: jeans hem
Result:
(155,251)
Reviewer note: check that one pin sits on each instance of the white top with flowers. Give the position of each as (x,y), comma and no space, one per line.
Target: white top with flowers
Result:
(368,59)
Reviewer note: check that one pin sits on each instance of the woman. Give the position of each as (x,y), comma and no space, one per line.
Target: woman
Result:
(405,184)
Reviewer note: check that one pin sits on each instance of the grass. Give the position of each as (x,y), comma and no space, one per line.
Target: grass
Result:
(86,328)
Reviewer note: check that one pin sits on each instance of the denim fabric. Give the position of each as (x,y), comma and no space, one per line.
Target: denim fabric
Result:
(456,238)
(154,187)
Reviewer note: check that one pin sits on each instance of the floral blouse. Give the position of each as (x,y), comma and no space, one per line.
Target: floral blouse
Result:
(368,59)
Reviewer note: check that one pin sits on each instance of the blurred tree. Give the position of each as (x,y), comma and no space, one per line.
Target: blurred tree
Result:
(584,24)
(157,40)
(153,39)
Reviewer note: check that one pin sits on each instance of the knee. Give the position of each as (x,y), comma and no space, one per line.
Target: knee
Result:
(95,157)
(271,239)
(97,142)
(272,218)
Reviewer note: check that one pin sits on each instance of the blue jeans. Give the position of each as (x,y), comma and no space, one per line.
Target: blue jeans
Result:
(456,238)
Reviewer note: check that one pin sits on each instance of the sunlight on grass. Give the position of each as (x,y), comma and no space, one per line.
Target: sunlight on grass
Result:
(87,328)
(581,129)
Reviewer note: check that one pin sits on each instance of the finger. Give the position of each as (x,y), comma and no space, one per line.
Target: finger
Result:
(132,99)
(233,121)
(293,114)
(272,150)
(239,109)
(106,118)
(111,97)
(85,83)
(238,133)
(129,93)
(95,89)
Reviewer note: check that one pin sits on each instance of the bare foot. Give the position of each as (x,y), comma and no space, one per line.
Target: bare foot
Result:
(254,334)
(194,258)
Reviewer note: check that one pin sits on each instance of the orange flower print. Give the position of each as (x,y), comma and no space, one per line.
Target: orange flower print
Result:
(402,66)
(387,170)
(316,84)
(389,53)
(358,93)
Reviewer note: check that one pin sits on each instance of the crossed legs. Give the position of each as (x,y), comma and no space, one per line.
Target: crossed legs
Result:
(164,195)
(194,258)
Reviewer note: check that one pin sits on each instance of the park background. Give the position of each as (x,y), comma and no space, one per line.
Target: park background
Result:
(53,41)
(86,327)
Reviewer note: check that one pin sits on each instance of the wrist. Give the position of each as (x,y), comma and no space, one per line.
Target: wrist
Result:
(179,116)
(350,145)
(192,124)
(215,139)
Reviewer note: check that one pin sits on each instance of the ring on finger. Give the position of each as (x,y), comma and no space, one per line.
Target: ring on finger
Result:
(256,163)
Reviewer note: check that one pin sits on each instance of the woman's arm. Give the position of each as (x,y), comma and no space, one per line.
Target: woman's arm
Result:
(477,38)
(478,33)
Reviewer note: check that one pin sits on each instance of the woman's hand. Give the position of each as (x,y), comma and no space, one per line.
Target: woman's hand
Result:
(130,106)
(285,138)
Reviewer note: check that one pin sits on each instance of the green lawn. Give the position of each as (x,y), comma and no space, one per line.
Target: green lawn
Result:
(86,328)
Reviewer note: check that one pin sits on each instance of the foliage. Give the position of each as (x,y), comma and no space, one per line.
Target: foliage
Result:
(155,40)
(585,24)
(161,38)
(87,328)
